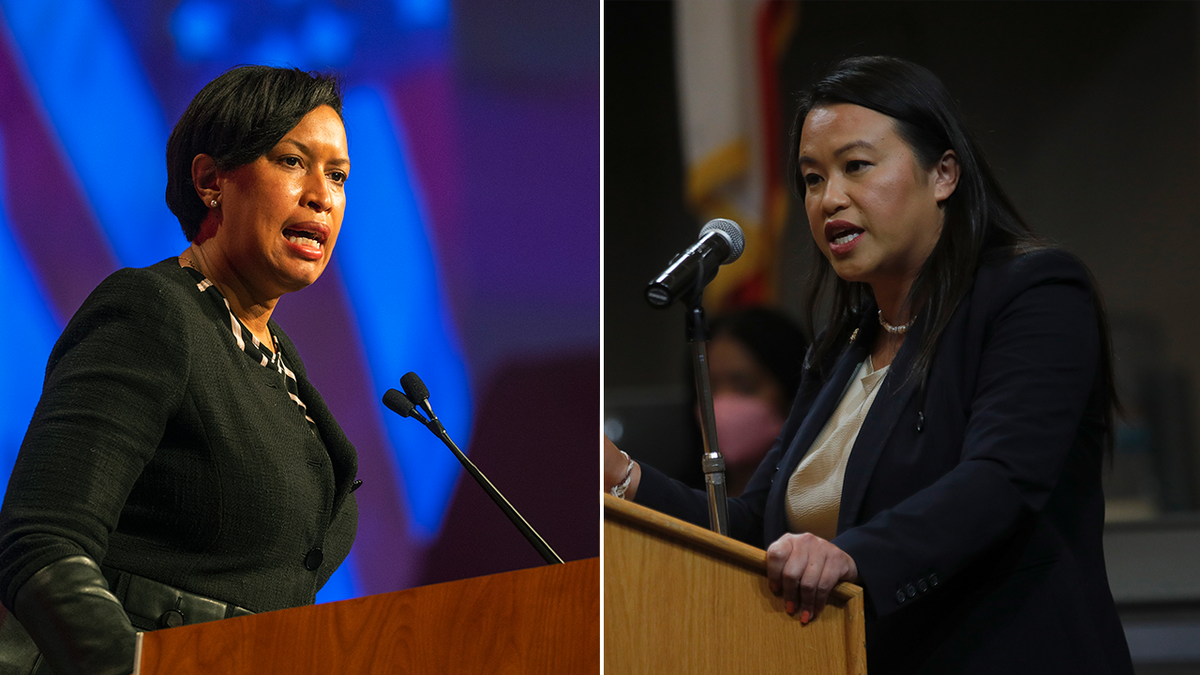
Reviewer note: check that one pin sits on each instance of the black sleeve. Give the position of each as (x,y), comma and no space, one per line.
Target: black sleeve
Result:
(1036,374)
(113,380)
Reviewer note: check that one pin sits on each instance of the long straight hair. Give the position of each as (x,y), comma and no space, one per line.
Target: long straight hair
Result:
(979,218)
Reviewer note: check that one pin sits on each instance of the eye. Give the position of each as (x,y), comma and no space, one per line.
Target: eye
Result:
(291,160)
(811,179)
(339,177)
(856,165)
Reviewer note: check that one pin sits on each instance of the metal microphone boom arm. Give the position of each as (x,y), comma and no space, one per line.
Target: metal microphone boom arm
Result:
(403,406)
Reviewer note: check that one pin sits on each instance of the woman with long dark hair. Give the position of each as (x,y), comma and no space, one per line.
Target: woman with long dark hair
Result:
(945,446)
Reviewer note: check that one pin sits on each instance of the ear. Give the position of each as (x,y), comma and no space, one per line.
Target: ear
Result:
(204,178)
(945,176)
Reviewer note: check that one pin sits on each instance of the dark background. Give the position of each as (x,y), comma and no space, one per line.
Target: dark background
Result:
(1089,113)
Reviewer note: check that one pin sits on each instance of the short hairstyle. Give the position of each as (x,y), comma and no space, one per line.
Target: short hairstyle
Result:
(235,119)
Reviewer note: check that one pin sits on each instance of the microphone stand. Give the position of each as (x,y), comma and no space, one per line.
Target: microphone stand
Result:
(713,462)
(535,539)
(403,406)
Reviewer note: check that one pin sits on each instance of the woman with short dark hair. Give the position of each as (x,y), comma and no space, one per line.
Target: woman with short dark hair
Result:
(945,446)
(180,467)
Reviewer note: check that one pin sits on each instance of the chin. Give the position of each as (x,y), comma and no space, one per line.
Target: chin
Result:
(306,281)
(850,273)
(299,281)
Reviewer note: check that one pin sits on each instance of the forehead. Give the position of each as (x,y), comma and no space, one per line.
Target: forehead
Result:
(831,127)
(320,127)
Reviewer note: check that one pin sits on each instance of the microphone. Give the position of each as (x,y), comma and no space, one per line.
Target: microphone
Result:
(721,242)
(401,405)
(416,393)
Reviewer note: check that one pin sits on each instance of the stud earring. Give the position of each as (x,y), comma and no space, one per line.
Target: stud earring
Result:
(213,203)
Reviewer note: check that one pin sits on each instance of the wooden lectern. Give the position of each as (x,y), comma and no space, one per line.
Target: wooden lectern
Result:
(681,599)
(541,620)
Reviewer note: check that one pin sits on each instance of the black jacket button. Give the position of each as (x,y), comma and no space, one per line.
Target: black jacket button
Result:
(911,591)
(901,597)
(172,618)
(933,580)
(313,560)
(922,586)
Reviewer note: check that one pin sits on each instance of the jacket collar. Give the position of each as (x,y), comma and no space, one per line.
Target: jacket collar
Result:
(881,419)
(876,428)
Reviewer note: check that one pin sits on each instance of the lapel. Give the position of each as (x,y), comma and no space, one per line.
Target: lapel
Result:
(877,427)
(339,448)
(775,518)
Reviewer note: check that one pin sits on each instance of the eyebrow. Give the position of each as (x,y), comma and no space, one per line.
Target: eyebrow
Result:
(805,159)
(340,161)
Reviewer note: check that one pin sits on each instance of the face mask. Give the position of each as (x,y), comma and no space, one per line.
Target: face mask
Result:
(746,427)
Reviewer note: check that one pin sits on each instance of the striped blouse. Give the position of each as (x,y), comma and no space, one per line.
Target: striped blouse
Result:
(252,346)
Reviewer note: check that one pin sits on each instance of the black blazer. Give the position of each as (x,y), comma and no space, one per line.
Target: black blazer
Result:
(973,509)
(161,449)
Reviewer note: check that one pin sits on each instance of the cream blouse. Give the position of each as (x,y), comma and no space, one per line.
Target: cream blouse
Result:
(814,491)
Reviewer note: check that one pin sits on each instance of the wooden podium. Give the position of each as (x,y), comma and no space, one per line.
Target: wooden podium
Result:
(681,599)
(541,620)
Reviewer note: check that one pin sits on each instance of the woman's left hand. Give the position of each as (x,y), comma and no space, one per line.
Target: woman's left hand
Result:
(803,569)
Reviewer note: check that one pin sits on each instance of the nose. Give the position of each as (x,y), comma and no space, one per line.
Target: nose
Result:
(834,197)
(317,194)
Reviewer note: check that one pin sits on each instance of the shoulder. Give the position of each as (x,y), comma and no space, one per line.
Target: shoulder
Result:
(157,286)
(1001,279)
(1039,266)
(146,302)
(1028,298)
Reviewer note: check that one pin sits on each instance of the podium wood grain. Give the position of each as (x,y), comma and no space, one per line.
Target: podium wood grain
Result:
(681,599)
(541,620)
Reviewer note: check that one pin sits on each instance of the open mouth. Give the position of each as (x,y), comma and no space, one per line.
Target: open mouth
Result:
(303,236)
(842,236)
(846,237)
(841,233)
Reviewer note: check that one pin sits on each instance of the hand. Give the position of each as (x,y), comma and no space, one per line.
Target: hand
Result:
(615,465)
(803,569)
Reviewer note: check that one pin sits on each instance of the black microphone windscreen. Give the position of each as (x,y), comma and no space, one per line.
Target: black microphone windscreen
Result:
(399,403)
(414,387)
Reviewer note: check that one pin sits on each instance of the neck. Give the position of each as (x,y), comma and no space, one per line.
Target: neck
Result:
(253,311)
(892,300)
(885,349)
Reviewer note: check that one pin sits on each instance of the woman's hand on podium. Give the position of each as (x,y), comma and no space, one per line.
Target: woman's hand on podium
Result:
(617,466)
(803,569)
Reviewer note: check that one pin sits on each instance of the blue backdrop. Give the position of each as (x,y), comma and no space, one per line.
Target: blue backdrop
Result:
(428,274)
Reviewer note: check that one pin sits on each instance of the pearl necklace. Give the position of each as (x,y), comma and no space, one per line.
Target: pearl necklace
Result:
(895,330)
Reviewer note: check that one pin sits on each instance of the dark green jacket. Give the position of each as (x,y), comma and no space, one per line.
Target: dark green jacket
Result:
(160,449)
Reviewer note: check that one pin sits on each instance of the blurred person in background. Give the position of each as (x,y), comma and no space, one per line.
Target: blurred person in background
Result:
(754,360)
